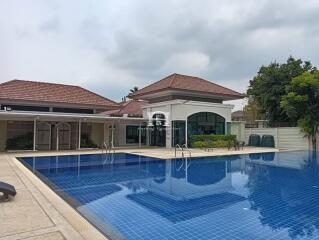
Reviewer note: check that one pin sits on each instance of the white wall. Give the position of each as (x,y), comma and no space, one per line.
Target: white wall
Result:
(285,137)
(181,109)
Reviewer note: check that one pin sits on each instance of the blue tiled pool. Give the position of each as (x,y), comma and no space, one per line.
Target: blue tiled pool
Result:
(256,196)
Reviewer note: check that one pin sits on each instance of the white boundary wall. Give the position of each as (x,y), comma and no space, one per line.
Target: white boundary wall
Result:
(285,137)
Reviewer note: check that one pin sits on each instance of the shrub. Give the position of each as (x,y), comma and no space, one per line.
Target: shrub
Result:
(22,142)
(87,142)
(200,144)
(215,141)
(212,137)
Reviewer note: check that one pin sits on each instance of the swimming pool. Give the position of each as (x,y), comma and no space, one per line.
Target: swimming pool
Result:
(256,196)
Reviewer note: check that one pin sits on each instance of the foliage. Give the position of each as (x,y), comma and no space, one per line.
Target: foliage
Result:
(212,137)
(22,142)
(215,141)
(87,142)
(271,83)
(301,103)
(252,111)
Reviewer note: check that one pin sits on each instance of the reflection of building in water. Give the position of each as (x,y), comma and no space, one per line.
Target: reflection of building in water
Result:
(190,188)
(186,179)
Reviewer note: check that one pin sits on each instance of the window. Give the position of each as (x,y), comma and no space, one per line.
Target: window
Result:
(178,133)
(205,123)
(132,134)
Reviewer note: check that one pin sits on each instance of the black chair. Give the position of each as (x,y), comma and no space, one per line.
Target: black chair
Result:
(7,190)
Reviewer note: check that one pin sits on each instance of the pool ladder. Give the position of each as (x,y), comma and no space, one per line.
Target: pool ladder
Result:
(181,148)
(108,152)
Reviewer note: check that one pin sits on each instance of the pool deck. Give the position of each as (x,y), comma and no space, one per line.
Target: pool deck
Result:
(38,213)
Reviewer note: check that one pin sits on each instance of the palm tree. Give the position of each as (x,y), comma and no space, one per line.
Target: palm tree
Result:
(134,89)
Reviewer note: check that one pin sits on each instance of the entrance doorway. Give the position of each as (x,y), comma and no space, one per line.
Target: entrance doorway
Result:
(158,131)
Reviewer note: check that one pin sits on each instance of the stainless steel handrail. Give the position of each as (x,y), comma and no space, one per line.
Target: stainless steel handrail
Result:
(180,148)
(187,149)
(108,150)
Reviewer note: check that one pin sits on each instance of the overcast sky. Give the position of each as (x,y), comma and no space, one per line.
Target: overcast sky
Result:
(111,46)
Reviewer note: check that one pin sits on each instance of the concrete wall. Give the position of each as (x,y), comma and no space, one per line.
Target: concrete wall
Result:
(3,135)
(238,129)
(97,133)
(285,137)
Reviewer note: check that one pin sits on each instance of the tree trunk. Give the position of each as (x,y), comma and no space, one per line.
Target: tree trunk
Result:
(314,142)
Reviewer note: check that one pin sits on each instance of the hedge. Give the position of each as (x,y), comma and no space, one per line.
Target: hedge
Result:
(212,137)
(215,141)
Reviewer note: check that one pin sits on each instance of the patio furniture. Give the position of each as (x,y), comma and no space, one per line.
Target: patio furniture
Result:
(241,144)
(7,190)
(209,145)
(236,144)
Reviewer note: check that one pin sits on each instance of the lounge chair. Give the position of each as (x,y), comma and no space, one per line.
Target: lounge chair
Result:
(7,190)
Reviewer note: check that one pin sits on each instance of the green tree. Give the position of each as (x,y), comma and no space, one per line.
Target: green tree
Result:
(270,84)
(252,111)
(301,103)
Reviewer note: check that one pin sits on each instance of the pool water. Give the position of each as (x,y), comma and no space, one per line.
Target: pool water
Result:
(127,196)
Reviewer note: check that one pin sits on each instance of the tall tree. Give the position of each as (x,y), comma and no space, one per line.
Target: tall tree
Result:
(252,112)
(301,103)
(270,84)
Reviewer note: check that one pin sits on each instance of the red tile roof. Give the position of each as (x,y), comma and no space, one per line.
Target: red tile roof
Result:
(132,108)
(22,90)
(187,83)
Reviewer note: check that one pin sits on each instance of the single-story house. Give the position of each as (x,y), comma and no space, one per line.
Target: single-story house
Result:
(47,116)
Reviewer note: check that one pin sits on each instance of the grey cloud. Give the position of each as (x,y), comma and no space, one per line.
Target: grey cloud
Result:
(134,43)
(51,25)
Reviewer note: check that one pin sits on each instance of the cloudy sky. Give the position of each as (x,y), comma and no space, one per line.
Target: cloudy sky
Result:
(111,46)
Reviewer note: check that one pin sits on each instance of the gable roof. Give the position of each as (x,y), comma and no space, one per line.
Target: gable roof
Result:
(132,108)
(24,90)
(187,83)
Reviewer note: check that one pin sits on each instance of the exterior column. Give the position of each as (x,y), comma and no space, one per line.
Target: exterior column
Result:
(57,137)
(79,139)
(186,137)
(139,136)
(112,141)
(34,133)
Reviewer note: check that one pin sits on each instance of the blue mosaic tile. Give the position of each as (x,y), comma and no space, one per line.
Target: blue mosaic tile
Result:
(256,196)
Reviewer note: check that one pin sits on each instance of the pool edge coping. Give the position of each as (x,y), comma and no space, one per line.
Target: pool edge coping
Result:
(74,218)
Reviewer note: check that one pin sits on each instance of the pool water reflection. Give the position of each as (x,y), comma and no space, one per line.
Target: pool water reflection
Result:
(256,196)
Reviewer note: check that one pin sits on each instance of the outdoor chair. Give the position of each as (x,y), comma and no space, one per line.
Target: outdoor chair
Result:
(236,144)
(7,190)
(209,145)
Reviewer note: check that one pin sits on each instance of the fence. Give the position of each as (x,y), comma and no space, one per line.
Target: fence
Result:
(285,137)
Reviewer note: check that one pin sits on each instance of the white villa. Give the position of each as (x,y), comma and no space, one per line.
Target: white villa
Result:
(46,116)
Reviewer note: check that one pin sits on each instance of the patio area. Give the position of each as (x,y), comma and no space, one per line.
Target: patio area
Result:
(38,213)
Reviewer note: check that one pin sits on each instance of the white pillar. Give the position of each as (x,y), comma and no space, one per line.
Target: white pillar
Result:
(186,140)
(34,133)
(139,136)
(79,139)
(57,137)
(104,134)
(112,142)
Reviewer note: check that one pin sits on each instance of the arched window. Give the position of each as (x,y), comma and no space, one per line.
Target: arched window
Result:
(205,123)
